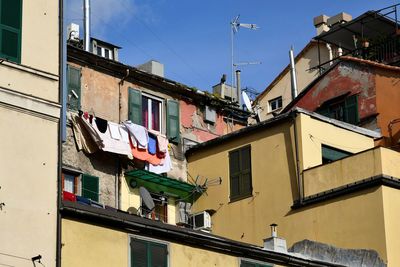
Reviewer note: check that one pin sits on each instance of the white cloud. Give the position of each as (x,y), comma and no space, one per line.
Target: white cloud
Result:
(104,14)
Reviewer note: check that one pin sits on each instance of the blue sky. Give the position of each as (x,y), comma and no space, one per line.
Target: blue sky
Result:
(192,38)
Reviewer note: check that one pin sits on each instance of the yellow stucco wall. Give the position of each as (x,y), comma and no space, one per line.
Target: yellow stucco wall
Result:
(90,245)
(181,255)
(364,165)
(28,181)
(391,198)
(352,221)
(313,133)
(40,36)
(40,39)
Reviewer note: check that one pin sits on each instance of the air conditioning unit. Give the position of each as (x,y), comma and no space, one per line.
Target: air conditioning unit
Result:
(200,221)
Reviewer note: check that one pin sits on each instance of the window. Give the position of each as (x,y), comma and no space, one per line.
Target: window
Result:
(81,184)
(275,104)
(330,154)
(148,111)
(104,52)
(145,253)
(151,113)
(160,211)
(240,173)
(247,263)
(10,29)
(74,87)
(341,108)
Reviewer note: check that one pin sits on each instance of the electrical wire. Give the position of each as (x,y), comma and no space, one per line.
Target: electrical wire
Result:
(15,256)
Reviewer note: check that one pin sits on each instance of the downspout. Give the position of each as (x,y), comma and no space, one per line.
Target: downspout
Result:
(118,164)
(62,122)
(328,46)
(296,147)
(293,78)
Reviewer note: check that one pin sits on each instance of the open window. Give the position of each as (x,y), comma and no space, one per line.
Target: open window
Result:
(160,211)
(155,113)
(79,184)
(342,108)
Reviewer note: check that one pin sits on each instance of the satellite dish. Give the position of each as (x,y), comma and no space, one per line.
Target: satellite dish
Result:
(247,101)
(146,198)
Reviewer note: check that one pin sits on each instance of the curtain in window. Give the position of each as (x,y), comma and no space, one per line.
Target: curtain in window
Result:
(155,115)
(145,112)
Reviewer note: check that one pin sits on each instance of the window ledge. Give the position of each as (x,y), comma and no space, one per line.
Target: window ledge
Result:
(238,198)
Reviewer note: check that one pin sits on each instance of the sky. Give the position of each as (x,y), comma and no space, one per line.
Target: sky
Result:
(193,38)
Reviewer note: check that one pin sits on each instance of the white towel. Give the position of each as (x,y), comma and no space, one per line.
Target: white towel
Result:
(139,133)
(114,130)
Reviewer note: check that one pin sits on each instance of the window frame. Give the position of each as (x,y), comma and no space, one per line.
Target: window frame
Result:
(17,31)
(240,173)
(149,240)
(78,182)
(149,108)
(275,100)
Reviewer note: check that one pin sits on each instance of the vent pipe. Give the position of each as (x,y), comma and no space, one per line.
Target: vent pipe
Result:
(293,74)
(238,89)
(86,41)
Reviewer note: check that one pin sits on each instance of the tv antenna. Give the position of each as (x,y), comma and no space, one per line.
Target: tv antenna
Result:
(235,26)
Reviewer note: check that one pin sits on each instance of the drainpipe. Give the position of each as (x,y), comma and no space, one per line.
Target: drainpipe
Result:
(62,49)
(118,164)
(296,147)
(86,5)
(328,46)
(293,74)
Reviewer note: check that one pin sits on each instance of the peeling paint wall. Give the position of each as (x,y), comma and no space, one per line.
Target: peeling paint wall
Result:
(346,78)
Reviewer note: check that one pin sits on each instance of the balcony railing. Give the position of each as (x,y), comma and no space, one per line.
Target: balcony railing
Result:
(386,51)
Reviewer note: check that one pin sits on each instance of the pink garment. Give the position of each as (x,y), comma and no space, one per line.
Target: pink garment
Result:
(166,166)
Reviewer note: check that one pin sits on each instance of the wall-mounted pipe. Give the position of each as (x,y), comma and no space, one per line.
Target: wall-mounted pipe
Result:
(86,5)
(238,89)
(293,78)
(329,47)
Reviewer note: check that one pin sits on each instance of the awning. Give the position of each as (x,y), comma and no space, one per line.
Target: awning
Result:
(162,184)
(371,25)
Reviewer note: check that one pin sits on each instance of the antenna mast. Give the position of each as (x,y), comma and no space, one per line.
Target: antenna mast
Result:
(235,25)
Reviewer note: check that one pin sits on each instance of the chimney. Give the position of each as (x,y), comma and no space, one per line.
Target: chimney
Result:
(274,242)
(321,24)
(339,19)
(153,67)
(238,89)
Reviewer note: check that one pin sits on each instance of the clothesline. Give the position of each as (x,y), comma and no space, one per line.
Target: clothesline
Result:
(134,141)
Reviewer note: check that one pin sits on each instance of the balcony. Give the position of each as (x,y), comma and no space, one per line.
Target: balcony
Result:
(351,171)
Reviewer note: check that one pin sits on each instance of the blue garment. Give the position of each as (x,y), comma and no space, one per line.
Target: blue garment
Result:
(152,146)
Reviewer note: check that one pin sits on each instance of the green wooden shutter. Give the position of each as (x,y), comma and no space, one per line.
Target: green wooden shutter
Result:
(245,176)
(90,187)
(234,173)
(74,87)
(173,124)
(148,254)
(351,109)
(135,106)
(10,29)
